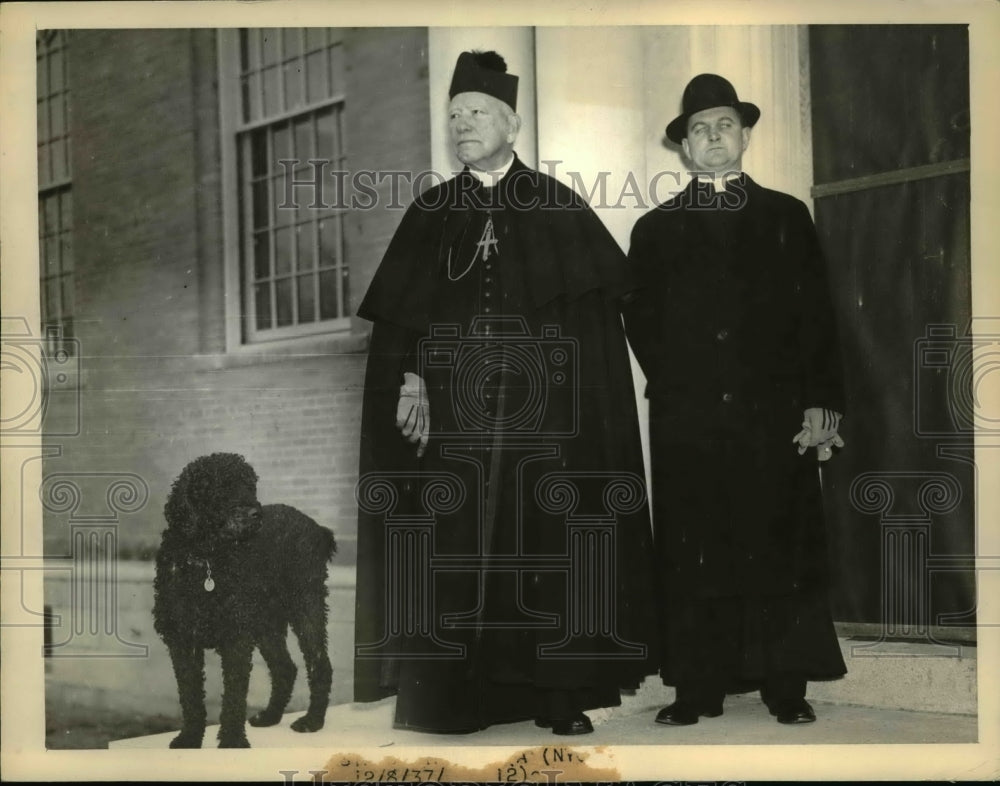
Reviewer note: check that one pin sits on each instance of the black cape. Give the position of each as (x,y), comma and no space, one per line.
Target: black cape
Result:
(515,557)
(733,326)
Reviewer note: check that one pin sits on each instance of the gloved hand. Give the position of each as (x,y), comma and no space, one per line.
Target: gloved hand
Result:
(413,412)
(819,430)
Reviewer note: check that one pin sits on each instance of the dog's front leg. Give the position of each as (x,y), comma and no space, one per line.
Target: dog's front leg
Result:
(237,661)
(189,668)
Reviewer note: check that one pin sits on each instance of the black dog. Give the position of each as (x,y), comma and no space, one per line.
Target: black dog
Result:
(231,574)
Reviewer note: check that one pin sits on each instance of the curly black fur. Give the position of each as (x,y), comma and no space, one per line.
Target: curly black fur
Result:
(232,574)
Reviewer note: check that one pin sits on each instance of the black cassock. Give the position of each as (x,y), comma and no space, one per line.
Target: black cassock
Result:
(514,559)
(734,330)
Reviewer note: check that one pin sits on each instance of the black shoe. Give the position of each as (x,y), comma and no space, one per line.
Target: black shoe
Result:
(566,726)
(685,713)
(792,711)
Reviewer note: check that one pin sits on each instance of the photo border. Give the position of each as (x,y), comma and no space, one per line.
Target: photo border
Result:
(23,754)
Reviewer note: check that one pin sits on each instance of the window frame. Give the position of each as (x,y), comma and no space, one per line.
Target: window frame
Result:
(242,335)
(58,327)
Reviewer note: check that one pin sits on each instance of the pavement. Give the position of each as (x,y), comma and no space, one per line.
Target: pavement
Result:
(849,741)
(745,721)
(888,698)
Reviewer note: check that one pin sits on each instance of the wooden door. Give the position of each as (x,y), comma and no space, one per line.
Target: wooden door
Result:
(890,118)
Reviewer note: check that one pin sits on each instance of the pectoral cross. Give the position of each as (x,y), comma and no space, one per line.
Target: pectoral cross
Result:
(488,239)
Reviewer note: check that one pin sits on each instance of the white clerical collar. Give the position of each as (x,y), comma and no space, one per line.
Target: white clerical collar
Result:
(718,181)
(491,178)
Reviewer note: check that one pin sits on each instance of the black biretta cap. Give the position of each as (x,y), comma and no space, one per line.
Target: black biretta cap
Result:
(484,72)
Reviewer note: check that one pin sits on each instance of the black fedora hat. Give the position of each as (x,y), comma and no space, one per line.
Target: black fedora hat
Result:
(707,91)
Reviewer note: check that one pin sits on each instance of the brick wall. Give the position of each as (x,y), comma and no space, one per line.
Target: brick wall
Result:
(134,175)
(157,388)
(387,128)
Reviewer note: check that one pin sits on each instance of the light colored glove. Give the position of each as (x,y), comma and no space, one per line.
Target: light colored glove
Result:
(413,413)
(819,430)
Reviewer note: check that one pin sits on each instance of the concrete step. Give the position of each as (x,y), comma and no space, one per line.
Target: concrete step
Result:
(745,721)
(895,675)
(918,677)
(909,693)
(893,693)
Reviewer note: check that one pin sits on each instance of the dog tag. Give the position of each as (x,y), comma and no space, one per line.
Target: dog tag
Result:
(209,584)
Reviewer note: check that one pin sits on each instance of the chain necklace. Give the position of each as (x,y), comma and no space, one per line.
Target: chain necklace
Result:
(209,583)
(486,241)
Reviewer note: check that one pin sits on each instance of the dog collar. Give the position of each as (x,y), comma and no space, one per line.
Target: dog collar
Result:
(209,583)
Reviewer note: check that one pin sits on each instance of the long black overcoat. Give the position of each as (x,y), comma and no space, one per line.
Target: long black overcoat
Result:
(497,506)
(734,330)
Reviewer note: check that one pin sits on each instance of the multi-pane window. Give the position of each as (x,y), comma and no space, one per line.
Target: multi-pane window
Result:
(55,198)
(289,138)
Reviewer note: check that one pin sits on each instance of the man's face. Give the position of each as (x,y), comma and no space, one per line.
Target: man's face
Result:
(716,140)
(483,130)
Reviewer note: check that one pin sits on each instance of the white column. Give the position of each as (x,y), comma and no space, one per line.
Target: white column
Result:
(590,118)
(591,113)
(517,46)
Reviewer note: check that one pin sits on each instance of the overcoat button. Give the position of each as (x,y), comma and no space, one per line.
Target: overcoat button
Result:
(727,397)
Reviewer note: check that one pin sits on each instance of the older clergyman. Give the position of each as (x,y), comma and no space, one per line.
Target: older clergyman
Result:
(733,327)
(508,573)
